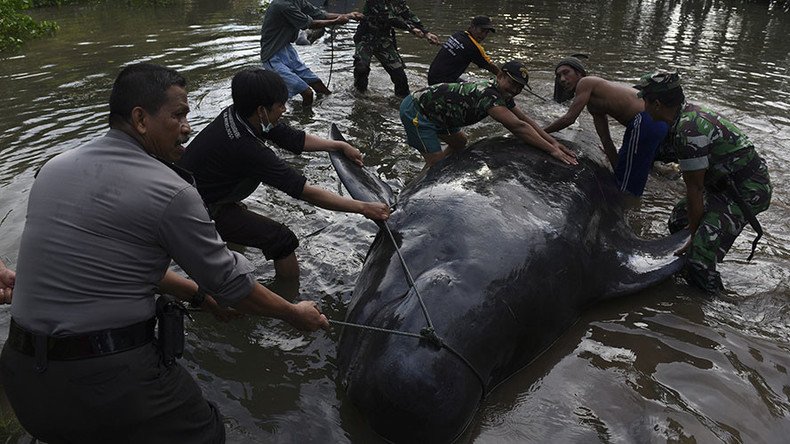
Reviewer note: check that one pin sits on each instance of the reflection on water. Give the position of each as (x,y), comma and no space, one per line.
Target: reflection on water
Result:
(664,365)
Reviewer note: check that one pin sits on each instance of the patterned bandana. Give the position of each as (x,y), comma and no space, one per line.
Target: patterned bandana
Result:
(656,82)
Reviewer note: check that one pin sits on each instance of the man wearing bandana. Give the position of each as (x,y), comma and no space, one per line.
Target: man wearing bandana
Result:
(604,99)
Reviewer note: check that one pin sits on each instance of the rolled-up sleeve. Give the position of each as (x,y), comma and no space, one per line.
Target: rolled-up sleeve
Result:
(188,234)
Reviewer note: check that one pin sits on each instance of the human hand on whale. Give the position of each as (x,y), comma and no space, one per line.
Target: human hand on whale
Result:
(562,153)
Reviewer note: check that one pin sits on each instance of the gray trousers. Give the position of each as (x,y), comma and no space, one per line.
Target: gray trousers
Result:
(128,397)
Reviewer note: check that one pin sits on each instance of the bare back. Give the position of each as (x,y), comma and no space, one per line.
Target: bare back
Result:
(609,98)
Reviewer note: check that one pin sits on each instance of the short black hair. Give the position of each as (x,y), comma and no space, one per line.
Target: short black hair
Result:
(254,87)
(144,85)
(672,97)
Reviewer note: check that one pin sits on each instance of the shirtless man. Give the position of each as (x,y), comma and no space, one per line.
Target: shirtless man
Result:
(604,99)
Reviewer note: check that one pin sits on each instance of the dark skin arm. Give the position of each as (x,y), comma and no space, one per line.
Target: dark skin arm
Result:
(333,19)
(580,100)
(527,132)
(695,186)
(334,202)
(261,301)
(493,69)
(7,280)
(601,122)
(183,289)
(303,315)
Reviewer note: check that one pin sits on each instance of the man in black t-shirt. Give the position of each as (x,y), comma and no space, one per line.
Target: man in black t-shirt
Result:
(229,159)
(461,49)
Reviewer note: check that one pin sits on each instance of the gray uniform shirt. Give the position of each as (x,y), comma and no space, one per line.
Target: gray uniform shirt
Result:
(282,22)
(103,222)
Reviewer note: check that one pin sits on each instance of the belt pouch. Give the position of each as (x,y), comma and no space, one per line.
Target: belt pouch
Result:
(170,335)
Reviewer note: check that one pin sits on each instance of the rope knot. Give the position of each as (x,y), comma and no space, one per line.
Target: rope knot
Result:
(429,335)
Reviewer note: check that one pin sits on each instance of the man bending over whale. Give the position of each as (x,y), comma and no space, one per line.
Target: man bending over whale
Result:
(604,99)
(229,159)
(439,111)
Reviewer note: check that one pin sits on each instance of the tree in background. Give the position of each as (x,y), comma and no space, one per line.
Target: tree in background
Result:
(16,26)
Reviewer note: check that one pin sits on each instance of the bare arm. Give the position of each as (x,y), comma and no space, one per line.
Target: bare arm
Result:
(602,128)
(314,143)
(7,281)
(353,15)
(695,186)
(339,19)
(331,201)
(184,289)
(528,120)
(303,315)
(431,37)
(527,133)
(493,69)
(261,301)
(580,100)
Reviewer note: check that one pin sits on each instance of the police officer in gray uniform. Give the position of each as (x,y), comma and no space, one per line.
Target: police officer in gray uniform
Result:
(104,222)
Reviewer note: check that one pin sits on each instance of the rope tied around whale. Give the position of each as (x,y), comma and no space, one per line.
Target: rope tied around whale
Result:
(426,333)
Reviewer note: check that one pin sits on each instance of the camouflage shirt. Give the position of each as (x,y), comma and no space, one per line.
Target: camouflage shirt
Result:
(382,15)
(454,105)
(702,139)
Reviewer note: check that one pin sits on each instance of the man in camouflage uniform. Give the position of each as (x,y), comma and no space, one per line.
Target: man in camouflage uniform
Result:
(375,36)
(727,182)
(439,111)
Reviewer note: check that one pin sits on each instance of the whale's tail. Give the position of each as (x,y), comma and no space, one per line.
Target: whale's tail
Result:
(360,182)
(640,263)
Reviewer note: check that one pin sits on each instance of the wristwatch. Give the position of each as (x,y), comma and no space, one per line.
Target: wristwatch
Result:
(198,298)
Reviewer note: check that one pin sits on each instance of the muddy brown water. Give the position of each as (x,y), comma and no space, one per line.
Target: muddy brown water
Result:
(662,365)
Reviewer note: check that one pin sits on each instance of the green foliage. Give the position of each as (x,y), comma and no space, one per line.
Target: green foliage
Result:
(16,26)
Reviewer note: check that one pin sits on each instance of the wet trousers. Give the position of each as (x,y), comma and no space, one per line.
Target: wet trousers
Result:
(127,397)
(386,51)
(722,222)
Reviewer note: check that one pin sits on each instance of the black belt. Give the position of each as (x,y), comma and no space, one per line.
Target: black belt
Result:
(83,346)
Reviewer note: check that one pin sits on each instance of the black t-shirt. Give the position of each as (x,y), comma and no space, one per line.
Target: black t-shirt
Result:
(454,57)
(229,161)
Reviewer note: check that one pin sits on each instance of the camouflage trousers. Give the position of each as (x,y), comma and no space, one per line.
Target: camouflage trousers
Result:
(385,50)
(722,222)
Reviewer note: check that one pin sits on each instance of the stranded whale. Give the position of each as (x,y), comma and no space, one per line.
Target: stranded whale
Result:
(505,247)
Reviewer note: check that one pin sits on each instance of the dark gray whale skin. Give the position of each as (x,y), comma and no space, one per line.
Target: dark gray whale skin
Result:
(506,246)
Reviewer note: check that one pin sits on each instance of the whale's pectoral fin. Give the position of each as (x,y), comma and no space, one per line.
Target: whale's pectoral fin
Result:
(642,263)
(360,182)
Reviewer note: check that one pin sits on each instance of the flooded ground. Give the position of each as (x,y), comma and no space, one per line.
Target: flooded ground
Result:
(663,365)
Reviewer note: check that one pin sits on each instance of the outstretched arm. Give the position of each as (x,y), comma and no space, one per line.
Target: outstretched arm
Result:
(601,122)
(7,280)
(331,201)
(420,33)
(185,290)
(304,315)
(353,15)
(325,23)
(580,99)
(493,69)
(315,143)
(695,187)
(527,133)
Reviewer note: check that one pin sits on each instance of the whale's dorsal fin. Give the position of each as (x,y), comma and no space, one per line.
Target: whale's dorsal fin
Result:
(360,182)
